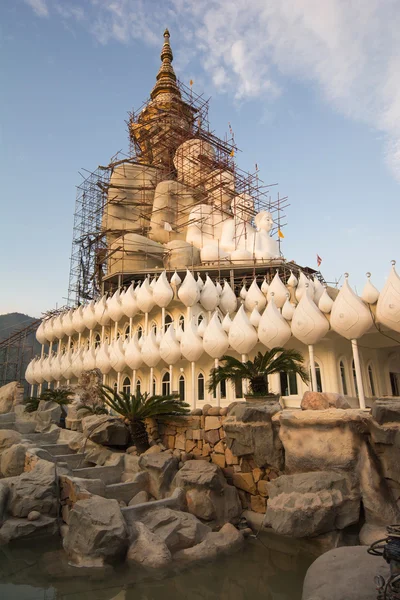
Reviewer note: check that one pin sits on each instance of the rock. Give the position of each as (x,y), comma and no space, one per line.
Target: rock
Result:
(162,468)
(213,411)
(97,532)
(251,430)
(153,450)
(245,482)
(370,533)
(8,438)
(176,529)
(208,495)
(17,529)
(344,574)
(314,401)
(34,515)
(322,440)
(206,408)
(106,430)
(223,411)
(227,540)
(258,504)
(139,498)
(386,410)
(336,400)
(197,412)
(131,450)
(47,413)
(11,394)
(148,550)
(36,490)
(13,460)
(218,459)
(4,493)
(212,423)
(310,504)
(212,436)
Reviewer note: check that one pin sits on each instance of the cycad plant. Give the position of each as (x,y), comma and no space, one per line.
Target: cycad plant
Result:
(135,408)
(31,404)
(256,371)
(61,396)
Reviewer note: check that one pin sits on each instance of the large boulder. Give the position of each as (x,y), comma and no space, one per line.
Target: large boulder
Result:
(386,410)
(12,460)
(310,504)
(208,495)
(48,413)
(227,539)
(4,492)
(11,394)
(8,437)
(178,530)
(250,429)
(97,532)
(36,490)
(106,430)
(323,401)
(18,529)
(322,440)
(344,574)
(162,468)
(148,549)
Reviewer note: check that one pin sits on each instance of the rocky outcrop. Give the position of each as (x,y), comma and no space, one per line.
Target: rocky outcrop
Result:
(8,438)
(344,574)
(97,532)
(48,413)
(148,549)
(323,401)
(36,490)
(251,430)
(162,468)
(106,430)
(310,504)
(227,539)
(208,495)
(24,529)
(11,395)
(12,462)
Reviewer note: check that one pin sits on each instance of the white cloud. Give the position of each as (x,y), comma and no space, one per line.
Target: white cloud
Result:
(39,6)
(348,49)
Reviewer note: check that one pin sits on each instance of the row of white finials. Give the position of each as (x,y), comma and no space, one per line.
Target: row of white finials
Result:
(270,315)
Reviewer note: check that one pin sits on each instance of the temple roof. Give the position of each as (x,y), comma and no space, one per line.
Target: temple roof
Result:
(166,78)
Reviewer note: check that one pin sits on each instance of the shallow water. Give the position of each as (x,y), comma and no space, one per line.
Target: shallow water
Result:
(255,572)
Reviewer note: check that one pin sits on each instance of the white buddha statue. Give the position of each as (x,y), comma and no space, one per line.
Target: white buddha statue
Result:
(265,247)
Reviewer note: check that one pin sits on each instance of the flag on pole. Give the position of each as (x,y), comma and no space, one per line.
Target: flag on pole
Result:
(319,260)
(232,153)
(191,82)
(280,234)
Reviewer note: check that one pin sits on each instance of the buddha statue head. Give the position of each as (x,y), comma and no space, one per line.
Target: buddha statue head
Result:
(264,221)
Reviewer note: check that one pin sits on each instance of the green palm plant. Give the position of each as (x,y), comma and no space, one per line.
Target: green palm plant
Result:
(256,371)
(31,404)
(61,396)
(135,408)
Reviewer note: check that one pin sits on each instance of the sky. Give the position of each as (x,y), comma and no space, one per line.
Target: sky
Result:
(310,88)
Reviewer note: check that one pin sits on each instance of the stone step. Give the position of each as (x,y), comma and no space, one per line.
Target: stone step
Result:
(57,449)
(107,474)
(7,418)
(42,438)
(6,425)
(74,461)
(124,491)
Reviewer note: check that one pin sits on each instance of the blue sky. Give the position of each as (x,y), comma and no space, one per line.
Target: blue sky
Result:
(312,91)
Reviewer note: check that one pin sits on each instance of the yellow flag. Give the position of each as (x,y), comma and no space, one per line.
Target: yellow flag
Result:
(191,82)
(280,234)
(232,153)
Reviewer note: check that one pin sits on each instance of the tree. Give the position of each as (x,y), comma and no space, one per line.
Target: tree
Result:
(135,408)
(276,360)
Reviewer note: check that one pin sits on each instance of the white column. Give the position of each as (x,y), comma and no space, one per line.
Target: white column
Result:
(193,385)
(314,385)
(218,386)
(245,384)
(357,366)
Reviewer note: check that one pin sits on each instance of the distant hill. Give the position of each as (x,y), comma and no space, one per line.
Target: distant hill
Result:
(15,358)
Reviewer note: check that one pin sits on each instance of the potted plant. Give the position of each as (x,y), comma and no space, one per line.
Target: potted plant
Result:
(136,408)
(256,371)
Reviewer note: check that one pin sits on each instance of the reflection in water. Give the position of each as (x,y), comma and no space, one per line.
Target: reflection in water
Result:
(255,573)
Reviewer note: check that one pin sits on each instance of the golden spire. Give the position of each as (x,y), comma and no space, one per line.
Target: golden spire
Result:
(166,85)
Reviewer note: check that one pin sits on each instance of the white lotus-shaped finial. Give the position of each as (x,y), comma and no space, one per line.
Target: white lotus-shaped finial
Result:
(191,342)
(209,297)
(41,334)
(150,350)
(228,300)
(325,302)
(129,302)
(388,307)
(58,328)
(273,330)
(292,281)
(288,309)
(67,321)
(115,309)
(48,330)
(89,315)
(133,355)
(350,317)
(254,298)
(101,311)
(201,328)
(309,325)
(243,292)
(318,290)
(255,317)
(215,340)
(103,360)
(89,359)
(264,286)
(226,323)
(278,290)
(242,335)
(200,282)
(77,320)
(162,291)
(170,350)
(117,355)
(370,294)
(189,293)
(301,286)
(144,297)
